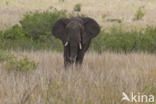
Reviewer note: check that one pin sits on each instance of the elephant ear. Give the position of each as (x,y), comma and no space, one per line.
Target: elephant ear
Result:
(58,29)
(91,28)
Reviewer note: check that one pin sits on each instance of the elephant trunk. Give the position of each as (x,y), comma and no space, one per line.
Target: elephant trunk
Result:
(73,52)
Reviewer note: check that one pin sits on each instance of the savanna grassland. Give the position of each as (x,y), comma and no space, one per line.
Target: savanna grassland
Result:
(103,76)
(100,80)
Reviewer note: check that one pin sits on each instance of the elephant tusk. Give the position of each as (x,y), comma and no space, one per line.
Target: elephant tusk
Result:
(66,44)
(80,45)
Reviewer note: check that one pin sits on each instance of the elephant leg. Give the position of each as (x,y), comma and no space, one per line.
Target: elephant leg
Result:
(81,53)
(79,58)
(66,56)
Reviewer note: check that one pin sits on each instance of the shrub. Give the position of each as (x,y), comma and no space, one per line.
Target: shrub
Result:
(34,32)
(139,14)
(13,63)
(22,65)
(104,16)
(15,38)
(77,7)
(5,56)
(14,33)
(40,23)
(1,36)
(118,40)
(97,43)
(61,0)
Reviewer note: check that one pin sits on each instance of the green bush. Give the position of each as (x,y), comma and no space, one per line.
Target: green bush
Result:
(139,14)
(13,63)
(14,33)
(77,7)
(34,32)
(21,65)
(118,40)
(1,32)
(40,23)
(5,56)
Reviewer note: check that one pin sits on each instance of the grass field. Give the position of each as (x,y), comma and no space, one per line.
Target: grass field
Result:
(11,11)
(100,80)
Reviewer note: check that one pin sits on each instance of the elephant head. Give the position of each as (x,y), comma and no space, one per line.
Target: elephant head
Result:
(76,34)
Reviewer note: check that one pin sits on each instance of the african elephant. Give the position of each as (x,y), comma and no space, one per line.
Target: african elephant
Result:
(76,34)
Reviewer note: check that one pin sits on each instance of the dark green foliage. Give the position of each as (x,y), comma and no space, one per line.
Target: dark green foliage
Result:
(118,40)
(39,24)
(16,32)
(34,32)
(77,7)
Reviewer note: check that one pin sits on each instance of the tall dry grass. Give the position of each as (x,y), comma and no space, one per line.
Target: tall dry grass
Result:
(11,11)
(100,80)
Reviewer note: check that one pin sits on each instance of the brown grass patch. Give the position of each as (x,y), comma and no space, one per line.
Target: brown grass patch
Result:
(101,79)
